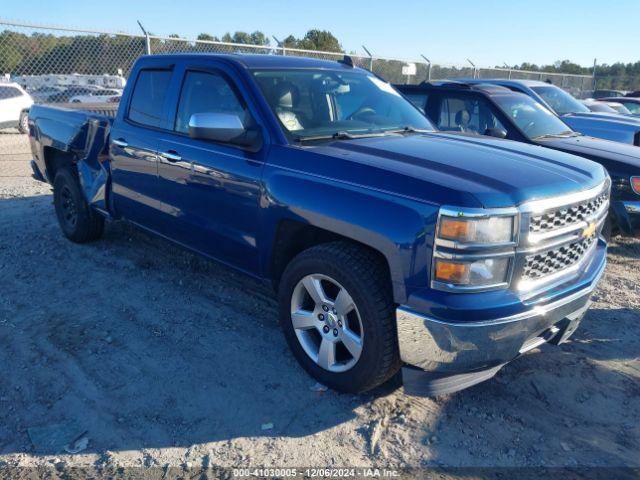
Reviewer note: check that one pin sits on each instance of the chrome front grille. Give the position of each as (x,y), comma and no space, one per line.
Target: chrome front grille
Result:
(558,236)
(569,215)
(556,260)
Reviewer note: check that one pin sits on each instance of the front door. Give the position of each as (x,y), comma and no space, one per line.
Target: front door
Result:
(210,191)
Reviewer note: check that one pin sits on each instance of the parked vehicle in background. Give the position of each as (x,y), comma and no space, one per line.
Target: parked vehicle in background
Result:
(610,126)
(606,107)
(67,94)
(42,94)
(14,106)
(631,104)
(388,243)
(601,93)
(634,94)
(496,111)
(99,95)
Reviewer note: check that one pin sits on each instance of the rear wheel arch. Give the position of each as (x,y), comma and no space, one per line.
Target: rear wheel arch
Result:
(55,160)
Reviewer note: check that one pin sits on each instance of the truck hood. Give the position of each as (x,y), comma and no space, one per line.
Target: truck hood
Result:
(443,168)
(610,118)
(612,155)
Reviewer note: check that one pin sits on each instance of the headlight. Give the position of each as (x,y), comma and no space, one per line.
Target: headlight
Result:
(474,248)
(472,273)
(635,184)
(477,230)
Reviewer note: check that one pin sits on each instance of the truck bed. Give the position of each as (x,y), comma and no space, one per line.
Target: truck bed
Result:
(81,134)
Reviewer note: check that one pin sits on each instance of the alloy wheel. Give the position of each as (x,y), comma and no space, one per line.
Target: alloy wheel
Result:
(327,323)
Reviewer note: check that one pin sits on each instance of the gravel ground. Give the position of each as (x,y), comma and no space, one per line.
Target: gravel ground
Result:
(147,356)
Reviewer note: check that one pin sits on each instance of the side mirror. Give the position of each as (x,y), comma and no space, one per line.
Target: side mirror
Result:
(225,128)
(496,132)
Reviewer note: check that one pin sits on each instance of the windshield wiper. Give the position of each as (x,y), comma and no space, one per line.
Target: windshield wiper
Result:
(409,129)
(567,134)
(341,135)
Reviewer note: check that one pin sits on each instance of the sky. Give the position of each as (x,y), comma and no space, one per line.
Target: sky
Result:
(489,32)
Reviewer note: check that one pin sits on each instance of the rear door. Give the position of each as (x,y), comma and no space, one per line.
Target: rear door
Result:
(134,146)
(210,191)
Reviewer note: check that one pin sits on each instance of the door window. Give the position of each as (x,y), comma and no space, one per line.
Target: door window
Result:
(148,97)
(205,92)
(9,92)
(467,114)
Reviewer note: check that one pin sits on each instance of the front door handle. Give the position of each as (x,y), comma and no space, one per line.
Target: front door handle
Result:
(120,143)
(171,156)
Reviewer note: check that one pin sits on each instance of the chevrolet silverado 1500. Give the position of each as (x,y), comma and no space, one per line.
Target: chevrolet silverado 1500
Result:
(389,244)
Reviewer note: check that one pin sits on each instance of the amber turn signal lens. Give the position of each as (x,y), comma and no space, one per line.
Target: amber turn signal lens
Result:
(451,272)
(454,229)
(635,184)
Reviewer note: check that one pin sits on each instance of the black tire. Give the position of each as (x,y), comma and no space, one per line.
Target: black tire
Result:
(23,122)
(607,228)
(78,221)
(366,278)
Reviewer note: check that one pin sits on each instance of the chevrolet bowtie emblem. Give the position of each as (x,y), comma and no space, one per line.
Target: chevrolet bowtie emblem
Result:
(589,231)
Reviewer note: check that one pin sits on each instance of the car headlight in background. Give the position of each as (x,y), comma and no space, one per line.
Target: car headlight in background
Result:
(474,248)
(635,184)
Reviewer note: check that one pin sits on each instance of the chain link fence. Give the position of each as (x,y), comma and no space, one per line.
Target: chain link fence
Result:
(47,60)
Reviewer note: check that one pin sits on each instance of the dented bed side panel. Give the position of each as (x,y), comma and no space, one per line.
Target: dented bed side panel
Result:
(82,135)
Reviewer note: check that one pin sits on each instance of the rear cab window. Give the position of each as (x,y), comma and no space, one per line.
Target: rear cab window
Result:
(148,97)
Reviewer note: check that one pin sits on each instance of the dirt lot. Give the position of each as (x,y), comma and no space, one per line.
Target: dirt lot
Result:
(159,358)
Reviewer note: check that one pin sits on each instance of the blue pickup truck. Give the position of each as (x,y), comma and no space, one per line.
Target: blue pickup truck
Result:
(389,244)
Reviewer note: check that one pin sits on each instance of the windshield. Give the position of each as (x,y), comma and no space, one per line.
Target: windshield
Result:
(620,108)
(559,100)
(315,104)
(600,107)
(531,117)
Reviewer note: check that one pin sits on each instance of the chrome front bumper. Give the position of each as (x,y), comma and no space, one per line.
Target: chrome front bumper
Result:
(442,357)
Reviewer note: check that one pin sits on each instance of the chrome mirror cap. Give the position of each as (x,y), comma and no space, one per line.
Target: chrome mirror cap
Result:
(219,127)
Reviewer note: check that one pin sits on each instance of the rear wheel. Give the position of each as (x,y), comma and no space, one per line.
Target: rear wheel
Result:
(337,313)
(77,220)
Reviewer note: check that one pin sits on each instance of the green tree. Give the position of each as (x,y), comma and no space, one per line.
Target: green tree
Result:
(208,38)
(315,40)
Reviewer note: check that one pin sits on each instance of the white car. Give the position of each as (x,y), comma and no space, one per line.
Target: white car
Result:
(14,107)
(97,96)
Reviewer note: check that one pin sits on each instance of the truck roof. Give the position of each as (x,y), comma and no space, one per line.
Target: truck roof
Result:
(505,81)
(251,61)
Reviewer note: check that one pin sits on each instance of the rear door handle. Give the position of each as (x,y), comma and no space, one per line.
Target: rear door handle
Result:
(171,156)
(120,143)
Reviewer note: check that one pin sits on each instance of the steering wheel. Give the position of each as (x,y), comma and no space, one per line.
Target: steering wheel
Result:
(361,111)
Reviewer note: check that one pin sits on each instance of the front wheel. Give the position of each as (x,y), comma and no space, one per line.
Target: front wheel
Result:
(337,313)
